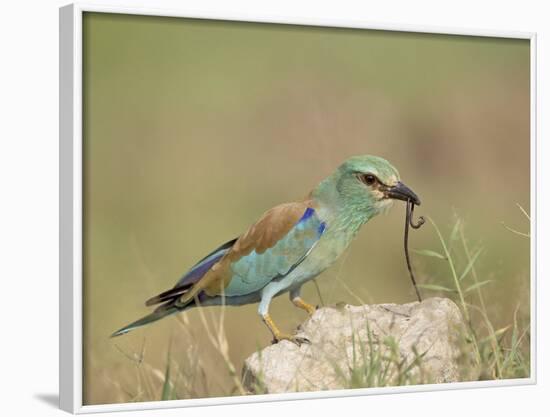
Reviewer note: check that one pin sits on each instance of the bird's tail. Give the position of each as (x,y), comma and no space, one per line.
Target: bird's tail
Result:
(158,314)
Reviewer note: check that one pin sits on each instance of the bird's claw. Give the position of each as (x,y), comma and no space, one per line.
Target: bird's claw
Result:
(301,340)
(297,340)
(312,309)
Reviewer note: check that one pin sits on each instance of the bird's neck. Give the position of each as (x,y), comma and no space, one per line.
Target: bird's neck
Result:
(342,217)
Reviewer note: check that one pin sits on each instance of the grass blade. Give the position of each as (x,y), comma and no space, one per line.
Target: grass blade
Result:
(167,385)
(523,211)
(516,232)
(428,252)
(435,287)
(496,334)
(477,285)
(454,232)
(471,262)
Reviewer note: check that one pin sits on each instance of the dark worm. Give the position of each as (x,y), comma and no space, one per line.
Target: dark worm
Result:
(410,222)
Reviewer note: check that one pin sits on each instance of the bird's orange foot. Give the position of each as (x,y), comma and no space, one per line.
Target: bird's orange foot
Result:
(298,302)
(278,335)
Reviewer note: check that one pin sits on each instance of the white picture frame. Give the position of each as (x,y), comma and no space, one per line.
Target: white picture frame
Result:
(70,288)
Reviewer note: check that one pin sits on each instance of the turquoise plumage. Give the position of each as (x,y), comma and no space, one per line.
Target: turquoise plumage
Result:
(288,246)
(255,270)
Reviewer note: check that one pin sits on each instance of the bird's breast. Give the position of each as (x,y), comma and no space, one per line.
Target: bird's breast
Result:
(327,251)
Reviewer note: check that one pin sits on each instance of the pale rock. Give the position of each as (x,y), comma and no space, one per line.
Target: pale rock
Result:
(342,355)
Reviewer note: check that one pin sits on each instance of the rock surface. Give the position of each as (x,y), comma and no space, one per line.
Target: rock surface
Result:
(368,345)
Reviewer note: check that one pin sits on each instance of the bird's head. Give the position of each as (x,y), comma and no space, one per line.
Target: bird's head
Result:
(367,184)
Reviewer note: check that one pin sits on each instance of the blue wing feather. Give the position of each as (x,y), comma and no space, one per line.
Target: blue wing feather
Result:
(201,267)
(193,275)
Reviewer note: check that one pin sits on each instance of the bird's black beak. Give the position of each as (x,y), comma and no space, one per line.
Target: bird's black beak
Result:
(402,192)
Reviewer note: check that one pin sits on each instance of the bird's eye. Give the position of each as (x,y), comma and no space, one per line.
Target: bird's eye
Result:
(368,179)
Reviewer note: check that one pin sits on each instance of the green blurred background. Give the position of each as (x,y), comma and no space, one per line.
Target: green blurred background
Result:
(193,128)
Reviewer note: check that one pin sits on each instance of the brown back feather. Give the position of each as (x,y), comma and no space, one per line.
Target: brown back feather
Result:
(262,235)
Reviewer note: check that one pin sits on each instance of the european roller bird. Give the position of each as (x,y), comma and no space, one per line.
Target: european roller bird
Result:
(289,245)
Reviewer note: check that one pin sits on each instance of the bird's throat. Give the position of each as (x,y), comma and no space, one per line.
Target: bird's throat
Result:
(344,223)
